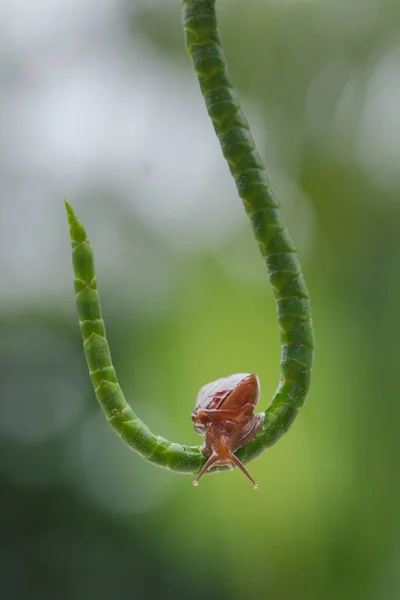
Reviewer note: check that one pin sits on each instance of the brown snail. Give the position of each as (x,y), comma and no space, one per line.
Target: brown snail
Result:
(224,414)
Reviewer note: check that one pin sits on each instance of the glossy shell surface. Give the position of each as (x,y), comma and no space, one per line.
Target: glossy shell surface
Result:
(229,393)
(215,394)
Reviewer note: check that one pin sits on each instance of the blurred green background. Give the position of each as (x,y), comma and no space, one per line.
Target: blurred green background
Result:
(98,103)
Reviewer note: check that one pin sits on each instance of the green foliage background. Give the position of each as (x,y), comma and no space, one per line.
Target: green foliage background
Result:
(186,300)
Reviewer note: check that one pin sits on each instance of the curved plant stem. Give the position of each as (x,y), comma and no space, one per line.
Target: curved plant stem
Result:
(182,459)
(238,147)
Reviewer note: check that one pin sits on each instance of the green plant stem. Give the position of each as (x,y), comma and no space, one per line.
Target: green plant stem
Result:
(294,316)
(238,147)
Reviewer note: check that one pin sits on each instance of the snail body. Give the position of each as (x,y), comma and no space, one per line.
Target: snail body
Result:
(224,414)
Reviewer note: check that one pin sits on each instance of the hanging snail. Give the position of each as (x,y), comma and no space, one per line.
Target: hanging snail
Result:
(224,410)
(224,414)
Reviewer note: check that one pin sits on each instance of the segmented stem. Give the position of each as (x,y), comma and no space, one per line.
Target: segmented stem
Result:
(238,147)
(182,459)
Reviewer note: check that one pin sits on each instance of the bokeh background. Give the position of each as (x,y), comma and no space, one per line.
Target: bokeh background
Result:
(98,103)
